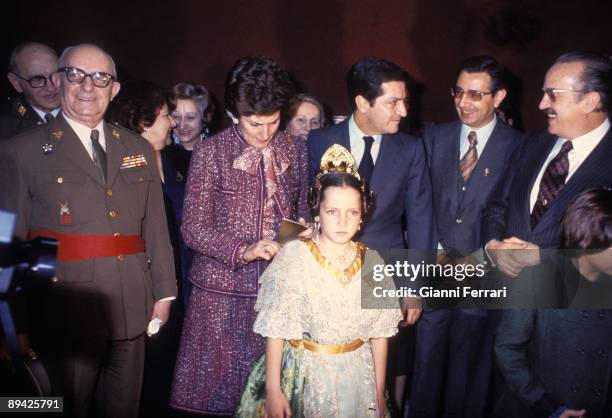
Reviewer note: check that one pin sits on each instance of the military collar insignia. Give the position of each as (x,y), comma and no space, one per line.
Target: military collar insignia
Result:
(115,133)
(47,149)
(21,110)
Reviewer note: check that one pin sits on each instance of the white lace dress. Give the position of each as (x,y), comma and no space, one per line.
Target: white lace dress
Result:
(301,297)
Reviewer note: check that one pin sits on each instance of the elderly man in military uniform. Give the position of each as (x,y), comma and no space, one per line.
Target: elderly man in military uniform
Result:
(95,188)
(30,68)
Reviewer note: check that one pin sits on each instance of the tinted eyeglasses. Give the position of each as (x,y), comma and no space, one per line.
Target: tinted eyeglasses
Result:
(77,76)
(473,95)
(37,81)
(552,92)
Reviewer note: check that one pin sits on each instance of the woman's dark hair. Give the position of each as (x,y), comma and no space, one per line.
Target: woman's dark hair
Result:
(587,224)
(137,105)
(340,179)
(257,86)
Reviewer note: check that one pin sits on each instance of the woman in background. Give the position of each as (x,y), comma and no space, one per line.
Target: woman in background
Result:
(192,113)
(304,114)
(242,182)
(144,108)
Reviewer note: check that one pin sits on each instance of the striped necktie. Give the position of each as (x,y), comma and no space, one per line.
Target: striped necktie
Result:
(470,158)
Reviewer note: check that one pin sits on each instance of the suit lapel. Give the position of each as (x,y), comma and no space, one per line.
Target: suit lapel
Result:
(449,163)
(115,151)
(591,173)
(489,164)
(386,163)
(344,138)
(535,157)
(72,148)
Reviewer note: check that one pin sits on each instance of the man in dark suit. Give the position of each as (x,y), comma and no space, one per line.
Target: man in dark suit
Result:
(95,188)
(526,209)
(391,162)
(30,68)
(467,159)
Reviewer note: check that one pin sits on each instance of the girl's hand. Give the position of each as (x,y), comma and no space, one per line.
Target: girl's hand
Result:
(276,405)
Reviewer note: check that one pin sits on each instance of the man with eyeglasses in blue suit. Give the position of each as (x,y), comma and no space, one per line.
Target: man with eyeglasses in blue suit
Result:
(467,158)
(30,68)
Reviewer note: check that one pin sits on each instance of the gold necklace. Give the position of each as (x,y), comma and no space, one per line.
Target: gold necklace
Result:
(343,275)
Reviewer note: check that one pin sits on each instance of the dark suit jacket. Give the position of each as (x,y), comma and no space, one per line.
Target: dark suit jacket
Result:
(508,213)
(555,357)
(458,211)
(105,297)
(18,117)
(400,183)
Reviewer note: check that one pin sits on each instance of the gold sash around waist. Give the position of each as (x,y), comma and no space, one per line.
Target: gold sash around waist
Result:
(327,349)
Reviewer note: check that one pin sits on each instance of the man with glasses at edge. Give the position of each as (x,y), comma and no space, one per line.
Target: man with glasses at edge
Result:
(467,159)
(95,188)
(31,65)
(526,211)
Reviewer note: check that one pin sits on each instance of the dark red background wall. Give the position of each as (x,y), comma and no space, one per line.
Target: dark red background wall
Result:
(170,41)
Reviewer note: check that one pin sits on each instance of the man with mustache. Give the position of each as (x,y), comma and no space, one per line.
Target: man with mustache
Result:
(95,188)
(525,211)
(30,68)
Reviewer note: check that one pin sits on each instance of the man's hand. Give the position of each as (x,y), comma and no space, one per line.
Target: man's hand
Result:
(513,254)
(411,309)
(161,310)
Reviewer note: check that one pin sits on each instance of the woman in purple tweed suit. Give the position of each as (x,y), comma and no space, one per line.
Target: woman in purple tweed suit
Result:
(242,183)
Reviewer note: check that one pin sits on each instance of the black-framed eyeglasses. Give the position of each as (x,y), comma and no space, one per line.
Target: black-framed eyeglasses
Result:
(473,95)
(77,76)
(552,92)
(36,81)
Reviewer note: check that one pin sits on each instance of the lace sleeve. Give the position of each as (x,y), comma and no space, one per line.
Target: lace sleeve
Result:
(280,298)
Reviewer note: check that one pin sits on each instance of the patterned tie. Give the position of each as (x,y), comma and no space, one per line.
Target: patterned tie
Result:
(366,166)
(552,182)
(470,158)
(99,156)
(48,117)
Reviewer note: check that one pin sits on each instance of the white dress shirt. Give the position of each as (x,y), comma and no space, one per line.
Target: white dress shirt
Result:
(42,114)
(84,134)
(582,147)
(482,135)
(358,144)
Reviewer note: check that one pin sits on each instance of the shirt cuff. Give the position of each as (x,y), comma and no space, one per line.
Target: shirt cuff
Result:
(168,298)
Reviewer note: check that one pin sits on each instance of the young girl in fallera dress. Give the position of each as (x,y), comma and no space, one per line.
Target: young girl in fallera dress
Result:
(325,355)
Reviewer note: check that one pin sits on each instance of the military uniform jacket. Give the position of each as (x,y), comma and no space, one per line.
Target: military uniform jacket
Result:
(19,117)
(51,182)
